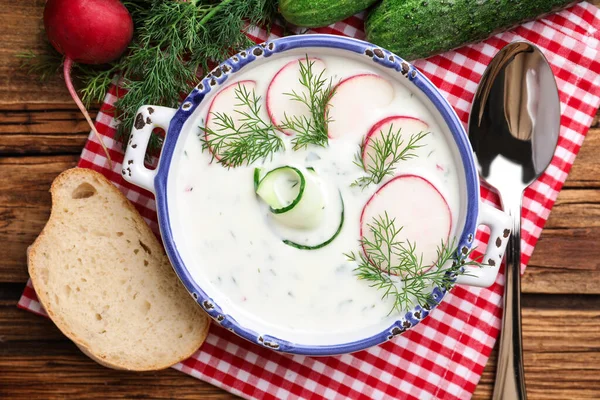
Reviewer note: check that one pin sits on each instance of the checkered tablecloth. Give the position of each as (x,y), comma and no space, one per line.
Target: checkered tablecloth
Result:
(443,356)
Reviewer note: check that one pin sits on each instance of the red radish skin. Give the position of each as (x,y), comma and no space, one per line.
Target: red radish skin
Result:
(279,86)
(224,102)
(87,32)
(354,98)
(409,126)
(366,219)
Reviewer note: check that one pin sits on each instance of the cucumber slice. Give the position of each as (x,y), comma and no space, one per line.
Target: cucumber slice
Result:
(256,178)
(295,199)
(317,246)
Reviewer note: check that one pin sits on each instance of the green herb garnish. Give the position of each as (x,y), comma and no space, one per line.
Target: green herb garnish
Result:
(245,142)
(388,150)
(253,138)
(319,91)
(44,65)
(395,267)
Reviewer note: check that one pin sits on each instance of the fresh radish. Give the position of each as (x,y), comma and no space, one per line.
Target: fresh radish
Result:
(226,102)
(354,99)
(409,126)
(418,208)
(286,80)
(87,32)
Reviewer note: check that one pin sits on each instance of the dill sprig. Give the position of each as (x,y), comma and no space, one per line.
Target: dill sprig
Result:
(387,151)
(245,141)
(174,42)
(319,91)
(45,65)
(396,268)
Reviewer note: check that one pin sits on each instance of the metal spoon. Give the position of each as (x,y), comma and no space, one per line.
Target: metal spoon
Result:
(513,129)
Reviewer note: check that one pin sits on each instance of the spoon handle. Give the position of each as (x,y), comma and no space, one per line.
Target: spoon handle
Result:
(510,378)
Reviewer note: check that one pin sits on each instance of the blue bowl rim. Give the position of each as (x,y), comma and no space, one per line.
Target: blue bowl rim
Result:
(213,81)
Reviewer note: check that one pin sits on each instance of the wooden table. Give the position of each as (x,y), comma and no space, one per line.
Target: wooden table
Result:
(42,133)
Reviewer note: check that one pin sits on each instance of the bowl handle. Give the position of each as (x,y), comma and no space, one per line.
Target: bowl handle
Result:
(500,224)
(146,119)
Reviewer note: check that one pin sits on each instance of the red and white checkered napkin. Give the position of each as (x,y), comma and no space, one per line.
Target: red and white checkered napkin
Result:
(443,356)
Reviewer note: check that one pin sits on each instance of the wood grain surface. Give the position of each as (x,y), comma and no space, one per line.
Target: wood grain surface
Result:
(42,133)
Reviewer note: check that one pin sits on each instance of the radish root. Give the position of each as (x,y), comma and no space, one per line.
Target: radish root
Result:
(68,64)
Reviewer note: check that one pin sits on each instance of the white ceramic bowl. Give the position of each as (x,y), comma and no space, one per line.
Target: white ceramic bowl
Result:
(182,122)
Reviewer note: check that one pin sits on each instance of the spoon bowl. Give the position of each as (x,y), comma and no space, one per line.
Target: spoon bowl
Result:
(513,129)
(514,121)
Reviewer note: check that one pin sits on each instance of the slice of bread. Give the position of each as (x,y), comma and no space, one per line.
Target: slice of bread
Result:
(105,280)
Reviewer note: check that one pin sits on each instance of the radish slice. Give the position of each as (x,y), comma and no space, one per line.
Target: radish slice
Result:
(409,126)
(354,99)
(226,102)
(418,208)
(287,80)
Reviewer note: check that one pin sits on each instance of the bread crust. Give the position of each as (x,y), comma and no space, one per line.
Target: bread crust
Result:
(35,262)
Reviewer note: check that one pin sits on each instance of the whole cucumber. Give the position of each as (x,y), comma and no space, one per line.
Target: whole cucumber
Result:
(316,13)
(421,28)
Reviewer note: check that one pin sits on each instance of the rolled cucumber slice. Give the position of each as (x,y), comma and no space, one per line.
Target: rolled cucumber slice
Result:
(306,213)
(295,199)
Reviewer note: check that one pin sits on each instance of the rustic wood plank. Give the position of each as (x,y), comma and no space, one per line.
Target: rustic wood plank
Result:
(577,376)
(37,361)
(21,30)
(565,261)
(42,144)
(561,349)
(567,256)
(18,325)
(38,122)
(25,207)
(586,171)
(68,375)
(45,130)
